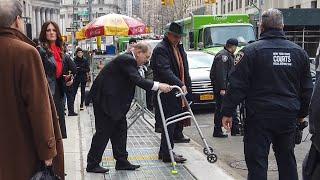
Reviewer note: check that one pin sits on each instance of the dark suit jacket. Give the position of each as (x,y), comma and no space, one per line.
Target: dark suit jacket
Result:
(114,87)
(314,115)
(166,70)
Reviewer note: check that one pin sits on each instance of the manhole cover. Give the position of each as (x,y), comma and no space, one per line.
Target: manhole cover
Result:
(242,165)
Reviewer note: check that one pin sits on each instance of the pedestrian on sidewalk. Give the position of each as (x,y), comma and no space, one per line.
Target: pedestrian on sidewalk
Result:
(52,55)
(219,75)
(29,127)
(112,93)
(273,76)
(131,43)
(70,69)
(81,76)
(169,64)
(311,164)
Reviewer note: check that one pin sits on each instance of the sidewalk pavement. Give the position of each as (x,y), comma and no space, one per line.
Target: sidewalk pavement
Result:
(142,145)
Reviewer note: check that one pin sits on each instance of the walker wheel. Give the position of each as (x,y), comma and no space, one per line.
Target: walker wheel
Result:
(174,172)
(212,158)
(205,150)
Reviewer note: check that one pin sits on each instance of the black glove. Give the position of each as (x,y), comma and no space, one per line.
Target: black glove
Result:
(299,131)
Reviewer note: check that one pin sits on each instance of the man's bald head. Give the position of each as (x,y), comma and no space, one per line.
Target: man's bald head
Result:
(272,19)
(9,11)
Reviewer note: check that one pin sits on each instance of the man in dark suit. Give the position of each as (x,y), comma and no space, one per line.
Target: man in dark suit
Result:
(311,164)
(111,94)
(169,64)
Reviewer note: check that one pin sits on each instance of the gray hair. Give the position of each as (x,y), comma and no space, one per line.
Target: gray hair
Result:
(272,18)
(9,10)
(142,46)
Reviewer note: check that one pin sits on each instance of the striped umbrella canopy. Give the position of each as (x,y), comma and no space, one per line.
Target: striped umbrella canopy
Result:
(114,25)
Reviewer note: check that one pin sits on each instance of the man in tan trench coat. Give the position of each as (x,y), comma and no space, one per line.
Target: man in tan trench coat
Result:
(29,128)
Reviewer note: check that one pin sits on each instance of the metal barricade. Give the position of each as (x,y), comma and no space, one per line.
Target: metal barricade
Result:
(98,62)
(139,104)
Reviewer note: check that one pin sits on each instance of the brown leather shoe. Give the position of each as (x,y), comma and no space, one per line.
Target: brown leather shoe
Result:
(177,159)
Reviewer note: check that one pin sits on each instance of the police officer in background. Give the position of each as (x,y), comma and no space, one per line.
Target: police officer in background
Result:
(273,76)
(221,66)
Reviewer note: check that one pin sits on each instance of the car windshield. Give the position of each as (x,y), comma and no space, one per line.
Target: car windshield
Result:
(218,36)
(197,60)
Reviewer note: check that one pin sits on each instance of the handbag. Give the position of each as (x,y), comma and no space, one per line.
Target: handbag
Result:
(45,173)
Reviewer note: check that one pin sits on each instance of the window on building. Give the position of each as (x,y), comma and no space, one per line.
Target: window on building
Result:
(313,4)
(217,8)
(237,4)
(240,4)
(231,5)
(291,7)
(298,6)
(223,6)
(249,2)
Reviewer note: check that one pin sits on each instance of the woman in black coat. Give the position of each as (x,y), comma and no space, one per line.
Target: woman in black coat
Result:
(52,55)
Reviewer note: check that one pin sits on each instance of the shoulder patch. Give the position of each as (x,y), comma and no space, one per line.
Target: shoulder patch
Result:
(239,57)
(224,58)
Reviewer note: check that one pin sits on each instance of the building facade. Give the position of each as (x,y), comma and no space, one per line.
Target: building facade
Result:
(246,6)
(36,12)
(76,13)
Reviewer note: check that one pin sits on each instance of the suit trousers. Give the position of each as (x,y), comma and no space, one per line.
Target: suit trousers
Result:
(218,116)
(70,99)
(172,129)
(80,80)
(58,101)
(311,164)
(259,133)
(107,128)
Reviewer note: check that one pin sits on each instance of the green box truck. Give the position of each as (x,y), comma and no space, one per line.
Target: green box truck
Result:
(210,32)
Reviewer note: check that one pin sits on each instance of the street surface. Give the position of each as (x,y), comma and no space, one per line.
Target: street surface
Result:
(230,150)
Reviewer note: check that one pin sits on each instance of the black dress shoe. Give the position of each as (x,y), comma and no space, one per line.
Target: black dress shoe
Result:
(236,133)
(181,140)
(97,169)
(126,166)
(72,114)
(177,159)
(220,135)
(174,154)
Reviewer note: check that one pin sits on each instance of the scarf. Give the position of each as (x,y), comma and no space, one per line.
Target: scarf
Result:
(181,66)
(56,51)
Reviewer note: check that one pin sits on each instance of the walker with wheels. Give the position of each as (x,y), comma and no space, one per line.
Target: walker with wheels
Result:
(208,151)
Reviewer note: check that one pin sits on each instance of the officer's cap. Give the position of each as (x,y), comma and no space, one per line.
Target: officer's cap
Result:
(232,41)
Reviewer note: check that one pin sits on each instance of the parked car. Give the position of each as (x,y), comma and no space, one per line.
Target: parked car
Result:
(199,69)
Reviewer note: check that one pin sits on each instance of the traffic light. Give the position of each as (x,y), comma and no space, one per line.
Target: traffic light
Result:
(163,2)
